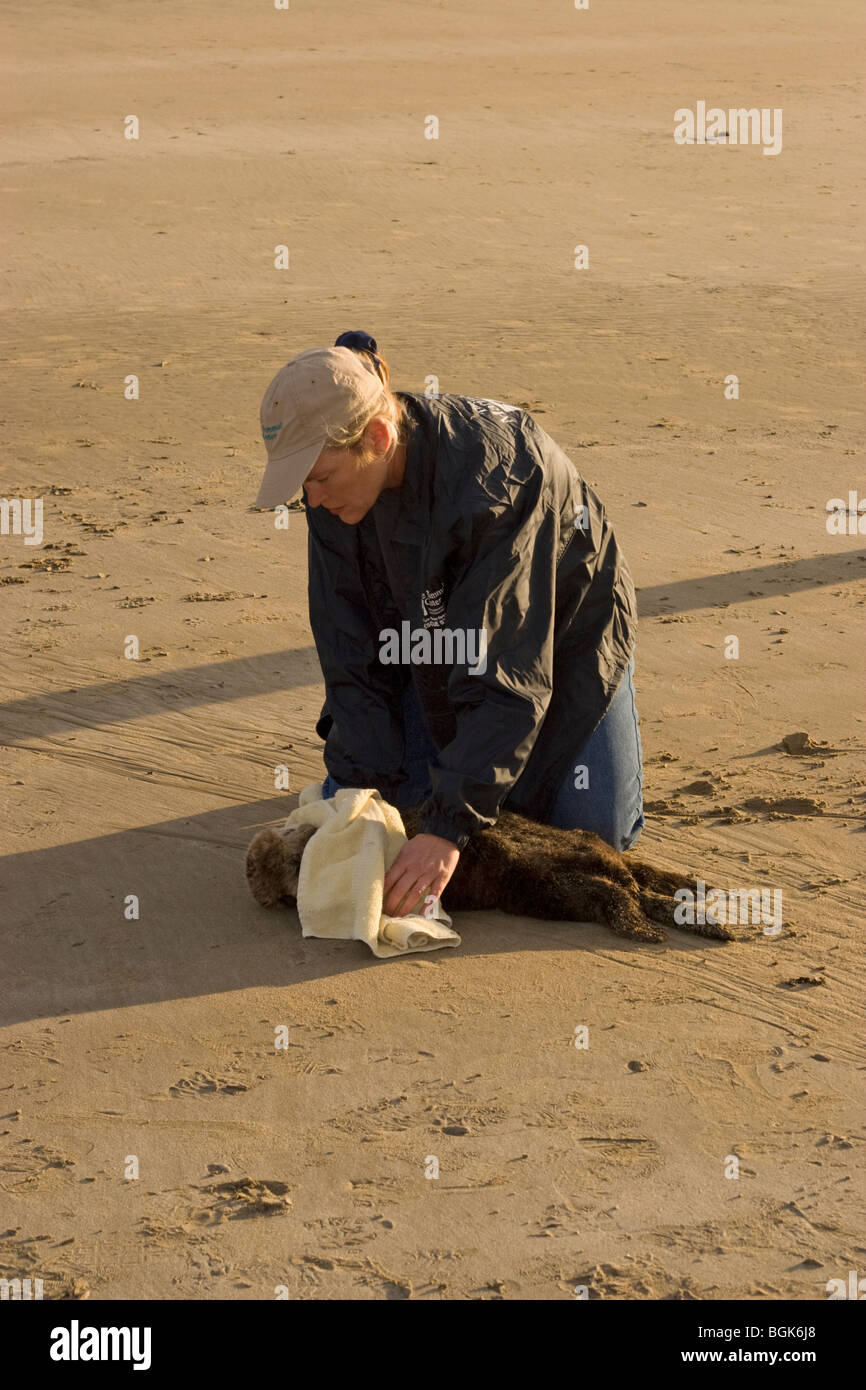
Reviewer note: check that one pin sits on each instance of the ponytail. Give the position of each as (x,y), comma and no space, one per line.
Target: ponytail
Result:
(365,346)
(388,404)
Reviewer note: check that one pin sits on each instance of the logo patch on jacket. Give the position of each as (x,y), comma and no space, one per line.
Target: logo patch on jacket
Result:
(433,604)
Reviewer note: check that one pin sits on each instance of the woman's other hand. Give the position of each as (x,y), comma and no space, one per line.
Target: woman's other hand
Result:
(421,869)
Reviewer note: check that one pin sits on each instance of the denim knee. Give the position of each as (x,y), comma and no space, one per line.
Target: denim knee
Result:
(630,838)
(620,831)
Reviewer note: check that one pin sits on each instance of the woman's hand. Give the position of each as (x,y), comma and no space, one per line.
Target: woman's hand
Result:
(423,867)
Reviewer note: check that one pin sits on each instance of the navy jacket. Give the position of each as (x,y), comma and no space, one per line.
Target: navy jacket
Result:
(493,528)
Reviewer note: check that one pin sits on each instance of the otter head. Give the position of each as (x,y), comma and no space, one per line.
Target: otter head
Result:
(274,862)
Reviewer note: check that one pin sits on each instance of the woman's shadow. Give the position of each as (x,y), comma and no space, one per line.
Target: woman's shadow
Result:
(164,912)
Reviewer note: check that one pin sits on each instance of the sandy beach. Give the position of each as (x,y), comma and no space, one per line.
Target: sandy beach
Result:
(154,1141)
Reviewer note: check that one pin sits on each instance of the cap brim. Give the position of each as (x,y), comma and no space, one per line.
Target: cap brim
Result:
(285,476)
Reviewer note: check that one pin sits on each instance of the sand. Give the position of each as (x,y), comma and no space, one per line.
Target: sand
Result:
(155,1141)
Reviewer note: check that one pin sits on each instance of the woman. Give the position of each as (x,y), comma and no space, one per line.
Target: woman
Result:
(473,614)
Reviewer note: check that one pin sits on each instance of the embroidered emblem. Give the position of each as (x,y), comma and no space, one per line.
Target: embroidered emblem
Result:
(433,604)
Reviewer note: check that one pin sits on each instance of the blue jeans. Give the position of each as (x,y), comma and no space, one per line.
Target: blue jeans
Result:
(611,803)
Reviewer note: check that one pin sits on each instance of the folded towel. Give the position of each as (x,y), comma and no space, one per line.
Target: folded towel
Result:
(343,866)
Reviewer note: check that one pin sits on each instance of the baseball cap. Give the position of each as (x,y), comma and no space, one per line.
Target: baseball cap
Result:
(312,394)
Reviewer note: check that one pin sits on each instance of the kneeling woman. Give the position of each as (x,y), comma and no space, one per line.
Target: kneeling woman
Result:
(473,614)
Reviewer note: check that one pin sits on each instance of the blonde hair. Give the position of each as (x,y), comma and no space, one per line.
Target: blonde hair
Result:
(350,436)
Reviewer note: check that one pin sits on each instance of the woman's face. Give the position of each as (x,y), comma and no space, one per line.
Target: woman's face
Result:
(341,485)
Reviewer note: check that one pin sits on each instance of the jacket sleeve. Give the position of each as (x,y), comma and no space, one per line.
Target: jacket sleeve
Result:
(361,720)
(508,590)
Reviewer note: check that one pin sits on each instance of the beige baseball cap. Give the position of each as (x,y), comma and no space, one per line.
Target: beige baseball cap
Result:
(308,397)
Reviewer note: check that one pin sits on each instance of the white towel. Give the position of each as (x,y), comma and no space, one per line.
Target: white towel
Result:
(342,870)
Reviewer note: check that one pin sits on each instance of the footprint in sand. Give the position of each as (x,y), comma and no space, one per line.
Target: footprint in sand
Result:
(243,1199)
(203,1084)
